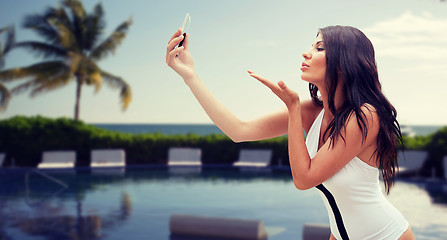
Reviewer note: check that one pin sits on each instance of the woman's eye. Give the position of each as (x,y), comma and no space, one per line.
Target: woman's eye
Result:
(320,49)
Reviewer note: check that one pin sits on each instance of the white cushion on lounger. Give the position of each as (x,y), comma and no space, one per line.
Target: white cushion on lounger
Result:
(108,158)
(184,157)
(411,161)
(254,158)
(58,159)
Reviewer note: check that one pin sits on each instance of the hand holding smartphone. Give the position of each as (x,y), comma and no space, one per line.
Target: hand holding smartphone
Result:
(185,28)
(177,57)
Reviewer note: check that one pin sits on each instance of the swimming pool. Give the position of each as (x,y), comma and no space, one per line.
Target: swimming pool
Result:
(136,203)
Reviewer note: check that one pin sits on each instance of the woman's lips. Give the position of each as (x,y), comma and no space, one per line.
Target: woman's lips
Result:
(304,67)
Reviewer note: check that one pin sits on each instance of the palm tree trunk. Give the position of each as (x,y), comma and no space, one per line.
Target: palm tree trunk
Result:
(78,96)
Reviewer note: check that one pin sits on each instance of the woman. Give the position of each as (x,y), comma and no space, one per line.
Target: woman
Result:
(351,130)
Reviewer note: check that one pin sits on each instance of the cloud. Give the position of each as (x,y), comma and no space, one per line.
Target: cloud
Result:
(411,52)
(410,36)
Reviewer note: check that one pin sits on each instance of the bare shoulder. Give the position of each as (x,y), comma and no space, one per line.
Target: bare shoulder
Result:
(368,108)
(371,120)
(371,115)
(309,112)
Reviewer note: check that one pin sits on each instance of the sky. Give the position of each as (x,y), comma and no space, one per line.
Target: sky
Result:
(227,38)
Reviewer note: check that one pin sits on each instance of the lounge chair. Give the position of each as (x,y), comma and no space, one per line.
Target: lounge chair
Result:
(108,161)
(104,158)
(184,157)
(2,158)
(411,161)
(313,231)
(184,160)
(254,158)
(57,159)
(216,227)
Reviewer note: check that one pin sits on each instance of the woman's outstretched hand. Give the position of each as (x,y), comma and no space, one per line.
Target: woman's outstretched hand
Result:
(179,58)
(287,95)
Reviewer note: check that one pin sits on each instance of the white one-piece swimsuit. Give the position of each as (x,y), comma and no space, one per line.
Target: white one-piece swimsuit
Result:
(356,206)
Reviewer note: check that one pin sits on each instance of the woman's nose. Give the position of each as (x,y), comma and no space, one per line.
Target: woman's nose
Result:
(306,55)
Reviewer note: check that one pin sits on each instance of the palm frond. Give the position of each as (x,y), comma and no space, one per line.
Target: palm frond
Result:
(78,18)
(95,78)
(44,69)
(54,26)
(10,41)
(31,83)
(40,25)
(95,26)
(59,18)
(118,82)
(45,50)
(53,83)
(61,15)
(2,62)
(93,73)
(22,87)
(110,44)
(76,8)
(45,77)
(66,37)
(14,74)
(5,96)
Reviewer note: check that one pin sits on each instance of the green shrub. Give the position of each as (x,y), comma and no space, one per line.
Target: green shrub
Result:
(24,139)
(416,142)
(437,149)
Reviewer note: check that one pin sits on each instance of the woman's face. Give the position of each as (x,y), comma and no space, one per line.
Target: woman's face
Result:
(314,65)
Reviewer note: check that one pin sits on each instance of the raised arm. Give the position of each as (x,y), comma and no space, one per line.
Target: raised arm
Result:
(268,126)
(273,125)
(308,172)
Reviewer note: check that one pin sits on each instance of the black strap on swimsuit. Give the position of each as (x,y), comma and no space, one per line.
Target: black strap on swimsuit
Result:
(335,210)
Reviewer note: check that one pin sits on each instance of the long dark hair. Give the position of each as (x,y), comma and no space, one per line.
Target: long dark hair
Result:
(350,58)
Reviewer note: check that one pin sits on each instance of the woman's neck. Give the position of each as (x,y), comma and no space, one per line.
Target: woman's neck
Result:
(339,99)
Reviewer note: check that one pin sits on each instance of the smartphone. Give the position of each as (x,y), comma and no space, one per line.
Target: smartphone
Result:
(185,27)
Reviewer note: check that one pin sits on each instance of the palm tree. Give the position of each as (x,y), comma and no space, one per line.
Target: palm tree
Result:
(71,50)
(5,95)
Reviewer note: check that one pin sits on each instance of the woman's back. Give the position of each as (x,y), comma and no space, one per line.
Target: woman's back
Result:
(356,206)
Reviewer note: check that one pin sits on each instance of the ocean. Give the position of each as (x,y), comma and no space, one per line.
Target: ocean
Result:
(167,129)
(206,129)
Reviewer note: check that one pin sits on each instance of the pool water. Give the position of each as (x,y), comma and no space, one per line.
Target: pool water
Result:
(137,203)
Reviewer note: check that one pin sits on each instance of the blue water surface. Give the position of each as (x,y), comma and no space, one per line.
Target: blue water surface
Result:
(136,203)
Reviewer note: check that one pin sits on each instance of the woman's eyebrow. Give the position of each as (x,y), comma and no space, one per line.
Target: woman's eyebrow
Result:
(317,43)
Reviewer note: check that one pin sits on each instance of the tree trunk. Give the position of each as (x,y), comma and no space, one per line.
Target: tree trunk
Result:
(78,96)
